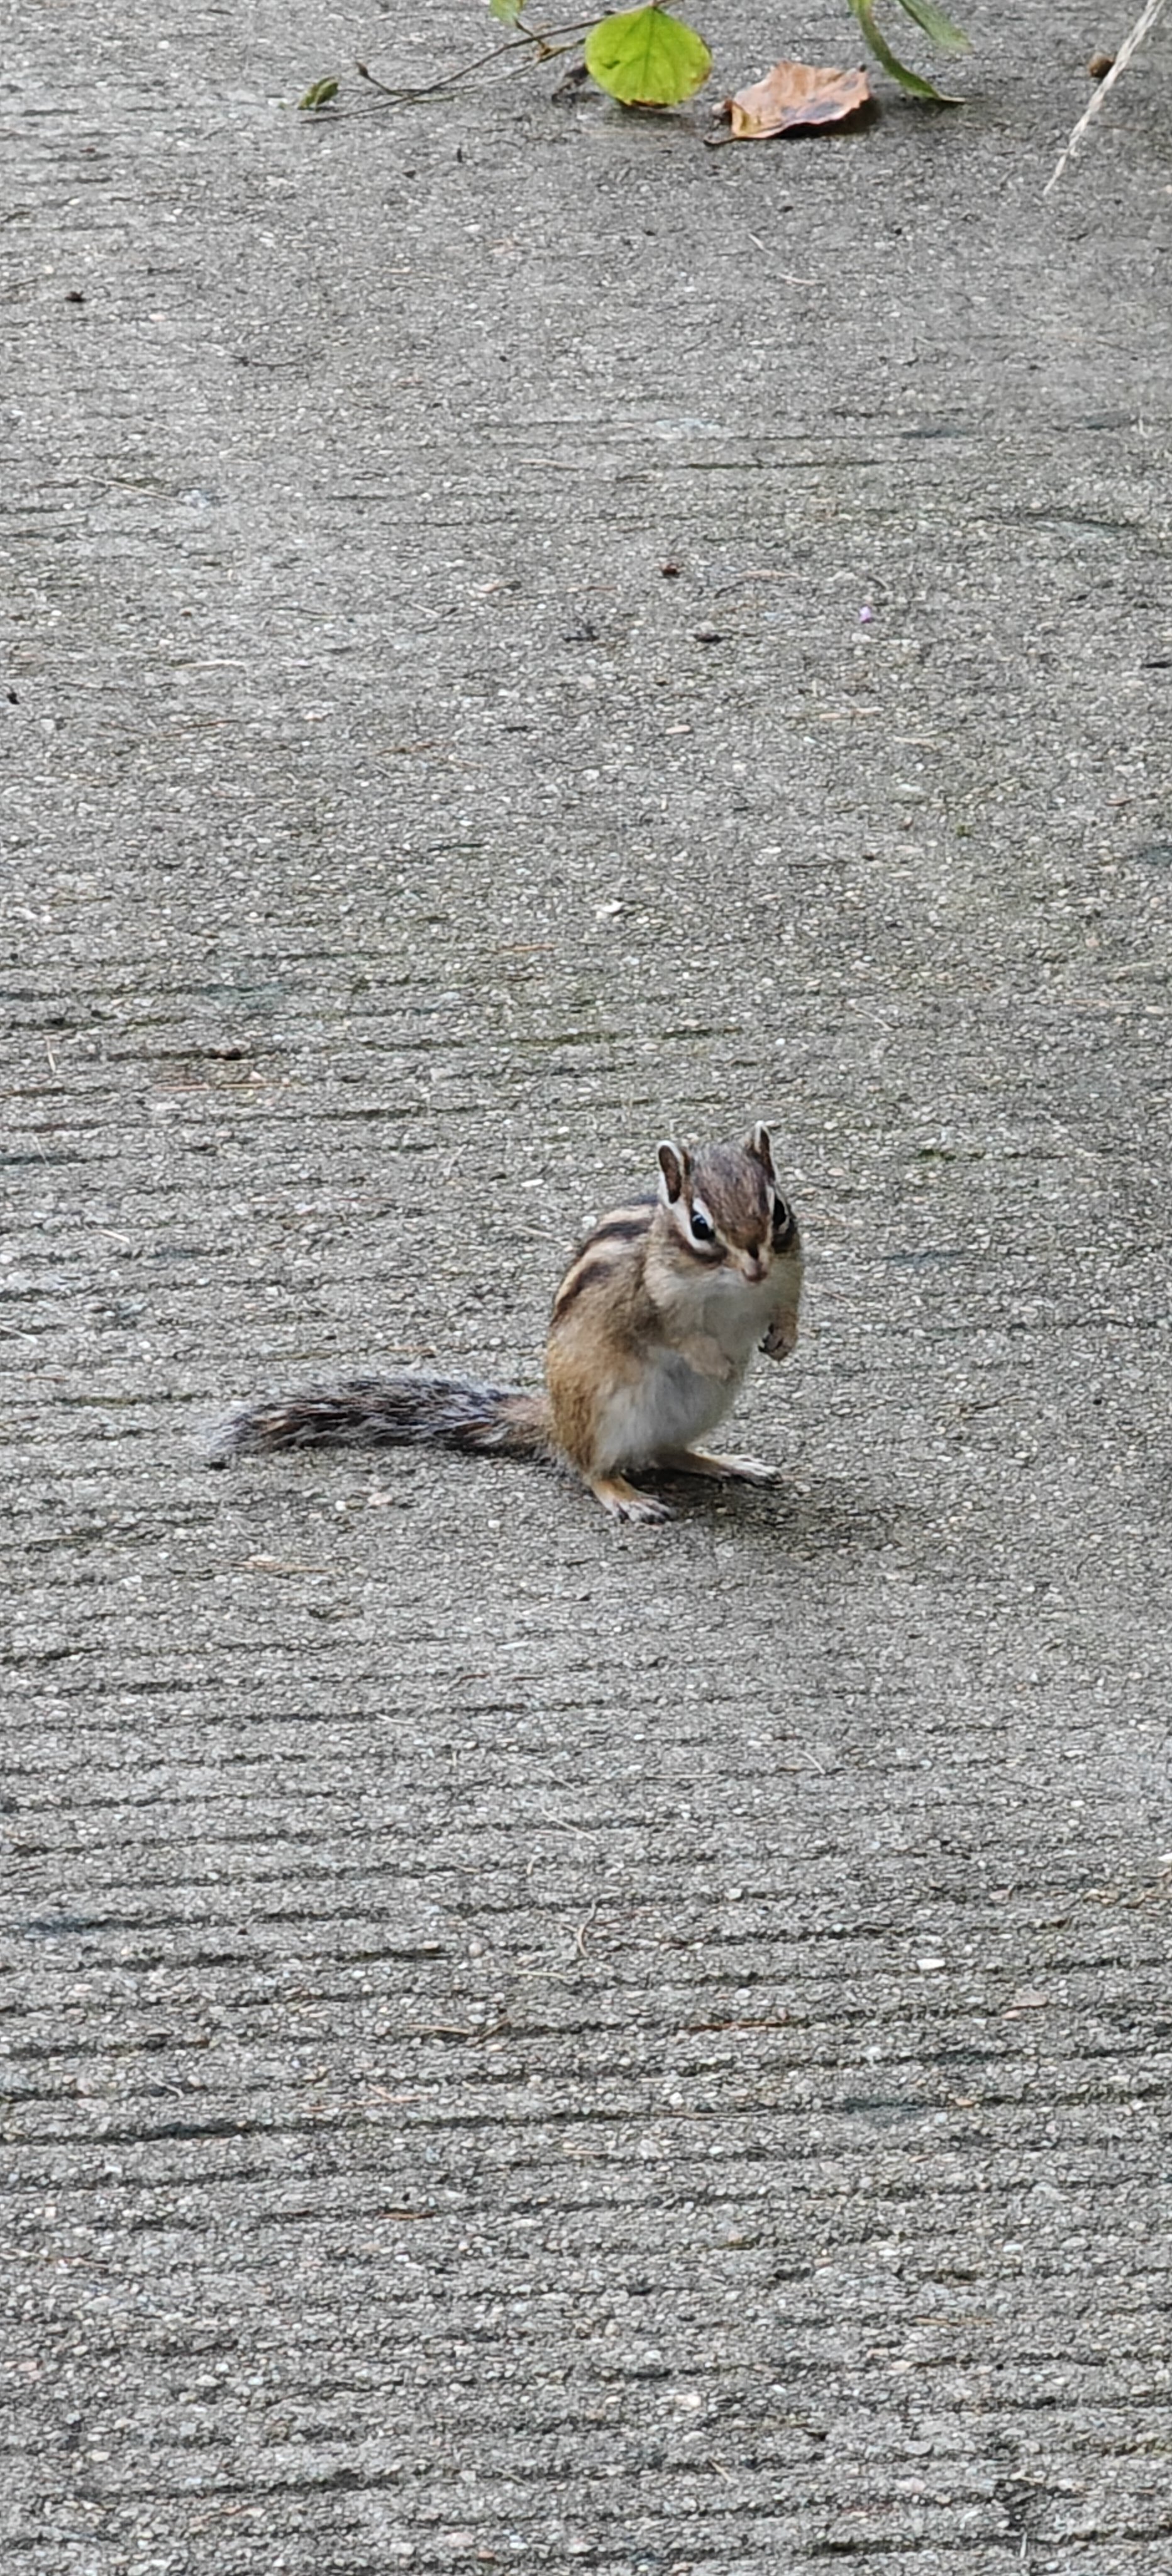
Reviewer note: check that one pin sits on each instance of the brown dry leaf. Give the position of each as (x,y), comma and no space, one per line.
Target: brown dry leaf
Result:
(793,94)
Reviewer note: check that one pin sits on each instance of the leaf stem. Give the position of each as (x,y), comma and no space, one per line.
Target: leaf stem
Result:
(538,39)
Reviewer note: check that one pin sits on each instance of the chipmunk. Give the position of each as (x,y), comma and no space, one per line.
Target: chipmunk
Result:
(651,1333)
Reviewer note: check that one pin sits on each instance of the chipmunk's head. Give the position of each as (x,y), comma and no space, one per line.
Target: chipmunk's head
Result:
(725,1206)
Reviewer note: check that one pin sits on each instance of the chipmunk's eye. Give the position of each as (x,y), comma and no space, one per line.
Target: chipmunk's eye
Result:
(781,1214)
(703,1229)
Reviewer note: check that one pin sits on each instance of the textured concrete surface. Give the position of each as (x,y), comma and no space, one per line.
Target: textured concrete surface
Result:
(530,2044)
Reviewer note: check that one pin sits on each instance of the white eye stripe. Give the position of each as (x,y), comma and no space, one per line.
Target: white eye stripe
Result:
(702,1224)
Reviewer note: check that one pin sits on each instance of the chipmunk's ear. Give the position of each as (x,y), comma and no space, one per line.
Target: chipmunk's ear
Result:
(674,1166)
(759,1147)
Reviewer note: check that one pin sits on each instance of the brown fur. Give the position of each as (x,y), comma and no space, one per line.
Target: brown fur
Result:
(733,1184)
(603,1254)
(610,1307)
(655,1291)
(595,1340)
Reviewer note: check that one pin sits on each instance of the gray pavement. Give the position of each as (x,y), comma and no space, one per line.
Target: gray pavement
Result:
(528,2043)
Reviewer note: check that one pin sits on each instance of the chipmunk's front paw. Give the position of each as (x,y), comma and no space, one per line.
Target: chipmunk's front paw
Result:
(626,1503)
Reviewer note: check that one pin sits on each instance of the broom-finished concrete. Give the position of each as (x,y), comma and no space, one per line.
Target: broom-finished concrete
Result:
(531,2044)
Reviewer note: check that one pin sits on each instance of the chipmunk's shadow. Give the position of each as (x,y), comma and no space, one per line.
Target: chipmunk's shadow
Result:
(820,1516)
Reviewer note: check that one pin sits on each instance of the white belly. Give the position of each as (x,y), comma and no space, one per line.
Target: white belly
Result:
(671,1406)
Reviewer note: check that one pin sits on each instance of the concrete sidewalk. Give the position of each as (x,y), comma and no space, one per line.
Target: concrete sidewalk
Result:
(532,2044)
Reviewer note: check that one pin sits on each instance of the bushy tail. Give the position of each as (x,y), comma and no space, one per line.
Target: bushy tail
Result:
(381,1412)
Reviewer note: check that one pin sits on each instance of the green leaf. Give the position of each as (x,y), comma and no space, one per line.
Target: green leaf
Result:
(508,11)
(319,96)
(647,59)
(951,40)
(891,63)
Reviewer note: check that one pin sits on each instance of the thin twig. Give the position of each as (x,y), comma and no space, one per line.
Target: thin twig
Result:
(1131,44)
(541,41)
(439,89)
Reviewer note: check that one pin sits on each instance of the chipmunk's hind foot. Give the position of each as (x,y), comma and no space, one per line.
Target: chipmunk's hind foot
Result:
(705,1462)
(624,1502)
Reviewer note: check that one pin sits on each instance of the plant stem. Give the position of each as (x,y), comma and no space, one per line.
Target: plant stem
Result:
(540,39)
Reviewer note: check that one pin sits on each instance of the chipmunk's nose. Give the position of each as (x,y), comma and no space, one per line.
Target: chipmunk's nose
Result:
(754,1267)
